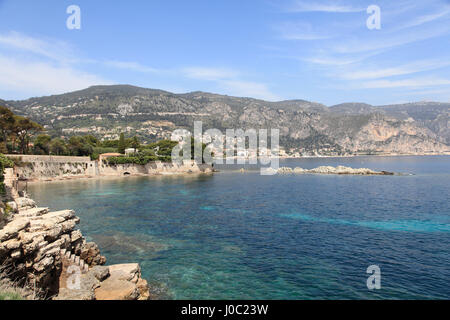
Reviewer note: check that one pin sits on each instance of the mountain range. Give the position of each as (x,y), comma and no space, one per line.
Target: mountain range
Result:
(306,128)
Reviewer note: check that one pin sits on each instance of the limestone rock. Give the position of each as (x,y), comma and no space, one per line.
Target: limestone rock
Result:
(13,206)
(128,272)
(90,253)
(42,244)
(335,170)
(285,170)
(116,289)
(144,290)
(100,272)
(25,203)
(68,294)
(12,229)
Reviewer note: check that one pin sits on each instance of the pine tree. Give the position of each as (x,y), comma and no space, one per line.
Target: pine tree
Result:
(122,145)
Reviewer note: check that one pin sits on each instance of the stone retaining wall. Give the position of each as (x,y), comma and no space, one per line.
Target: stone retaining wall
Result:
(45,168)
(49,159)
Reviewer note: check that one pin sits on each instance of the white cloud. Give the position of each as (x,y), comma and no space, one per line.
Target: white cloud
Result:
(55,50)
(249,89)
(303,6)
(210,74)
(415,67)
(413,82)
(301,31)
(229,81)
(40,78)
(387,41)
(426,18)
(131,66)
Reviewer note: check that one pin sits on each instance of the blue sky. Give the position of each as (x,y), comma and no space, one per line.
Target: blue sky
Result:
(275,50)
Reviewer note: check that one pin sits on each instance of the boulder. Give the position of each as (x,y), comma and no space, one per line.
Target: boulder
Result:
(25,203)
(90,253)
(11,230)
(12,206)
(68,294)
(116,289)
(100,272)
(127,272)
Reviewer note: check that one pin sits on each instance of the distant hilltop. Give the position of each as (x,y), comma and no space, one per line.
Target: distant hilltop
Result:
(306,128)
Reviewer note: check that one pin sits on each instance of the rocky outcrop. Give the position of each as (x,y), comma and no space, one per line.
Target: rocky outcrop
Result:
(333,170)
(40,247)
(117,282)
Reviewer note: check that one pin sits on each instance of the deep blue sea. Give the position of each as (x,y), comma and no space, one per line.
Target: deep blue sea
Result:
(239,235)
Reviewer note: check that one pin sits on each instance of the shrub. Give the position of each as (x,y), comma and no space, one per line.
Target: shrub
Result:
(4,163)
(141,158)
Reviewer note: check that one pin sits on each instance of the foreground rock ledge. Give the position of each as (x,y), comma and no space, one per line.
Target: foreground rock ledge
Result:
(334,170)
(44,249)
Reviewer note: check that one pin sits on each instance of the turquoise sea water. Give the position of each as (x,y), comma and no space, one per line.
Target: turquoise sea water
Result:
(247,236)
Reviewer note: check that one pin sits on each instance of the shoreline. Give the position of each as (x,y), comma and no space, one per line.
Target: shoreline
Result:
(188,174)
(370,155)
(110,177)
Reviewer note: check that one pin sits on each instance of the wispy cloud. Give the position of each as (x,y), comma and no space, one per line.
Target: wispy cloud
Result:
(210,74)
(413,82)
(329,58)
(230,82)
(388,41)
(34,66)
(249,89)
(41,78)
(417,21)
(410,68)
(56,50)
(330,6)
(131,66)
(301,31)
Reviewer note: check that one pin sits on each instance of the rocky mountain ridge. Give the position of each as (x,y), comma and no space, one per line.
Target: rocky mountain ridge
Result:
(306,128)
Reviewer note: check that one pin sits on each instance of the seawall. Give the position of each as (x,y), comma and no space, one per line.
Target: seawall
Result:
(45,168)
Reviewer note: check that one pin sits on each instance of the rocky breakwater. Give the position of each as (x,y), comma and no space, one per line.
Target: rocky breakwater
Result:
(334,170)
(44,250)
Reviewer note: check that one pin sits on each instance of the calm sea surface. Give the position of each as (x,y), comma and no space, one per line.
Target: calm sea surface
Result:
(247,236)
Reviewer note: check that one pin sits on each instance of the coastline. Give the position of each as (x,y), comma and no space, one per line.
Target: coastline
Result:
(208,172)
(118,177)
(45,252)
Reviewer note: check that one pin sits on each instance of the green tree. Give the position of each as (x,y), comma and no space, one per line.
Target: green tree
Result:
(78,146)
(58,147)
(2,180)
(122,144)
(135,143)
(42,144)
(6,124)
(4,163)
(23,129)
(90,139)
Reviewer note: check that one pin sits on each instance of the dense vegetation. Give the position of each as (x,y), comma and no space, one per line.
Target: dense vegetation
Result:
(4,163)
(158,151)
(19,135)
(16,132)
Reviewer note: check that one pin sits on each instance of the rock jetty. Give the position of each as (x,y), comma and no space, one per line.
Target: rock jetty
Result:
(333,170)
